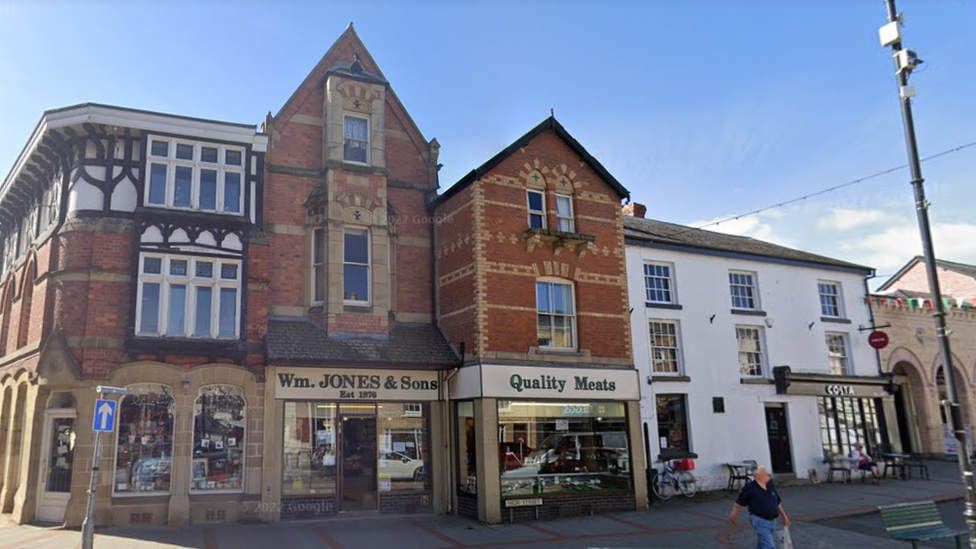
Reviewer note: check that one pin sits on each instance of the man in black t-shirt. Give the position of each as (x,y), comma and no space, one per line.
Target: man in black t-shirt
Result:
(765,506)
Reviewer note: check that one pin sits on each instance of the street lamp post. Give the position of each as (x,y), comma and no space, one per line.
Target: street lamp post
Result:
(905,61)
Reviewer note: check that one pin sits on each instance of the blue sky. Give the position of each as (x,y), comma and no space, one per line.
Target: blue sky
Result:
(703,109)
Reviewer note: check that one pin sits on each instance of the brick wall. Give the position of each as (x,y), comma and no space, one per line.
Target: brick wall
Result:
(951,282)
(405,502)
(571,505)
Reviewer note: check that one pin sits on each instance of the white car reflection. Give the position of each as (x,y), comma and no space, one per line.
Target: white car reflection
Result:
(395,465)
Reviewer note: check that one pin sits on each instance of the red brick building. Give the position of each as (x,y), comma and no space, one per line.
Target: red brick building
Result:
(288,308)
(531,281)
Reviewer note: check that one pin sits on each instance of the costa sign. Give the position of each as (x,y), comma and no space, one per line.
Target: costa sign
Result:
(878,340)
(839,390)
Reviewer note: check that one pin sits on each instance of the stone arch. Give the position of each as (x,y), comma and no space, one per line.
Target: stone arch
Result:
(903,354)
(565,179)
(925,432)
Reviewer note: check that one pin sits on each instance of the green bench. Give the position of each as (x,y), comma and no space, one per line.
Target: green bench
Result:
(916,522)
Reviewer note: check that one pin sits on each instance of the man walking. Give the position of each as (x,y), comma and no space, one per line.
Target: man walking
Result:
(765,506)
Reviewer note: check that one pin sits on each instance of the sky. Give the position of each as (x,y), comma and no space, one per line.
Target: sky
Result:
(703,109)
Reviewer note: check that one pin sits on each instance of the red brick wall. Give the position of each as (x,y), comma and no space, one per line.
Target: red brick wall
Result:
(952,283)
(455,254)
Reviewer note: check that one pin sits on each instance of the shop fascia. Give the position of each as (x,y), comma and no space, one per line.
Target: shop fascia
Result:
(351,384)
(523,382)
(789,382)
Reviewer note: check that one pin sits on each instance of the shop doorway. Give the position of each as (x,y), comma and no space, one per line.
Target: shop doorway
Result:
(778,434)
(57,455)
(357,475)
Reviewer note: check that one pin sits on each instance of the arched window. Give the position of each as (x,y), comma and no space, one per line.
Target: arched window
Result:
(144,453)
(218,439)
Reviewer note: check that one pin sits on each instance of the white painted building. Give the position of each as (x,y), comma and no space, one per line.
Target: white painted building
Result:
(713,315)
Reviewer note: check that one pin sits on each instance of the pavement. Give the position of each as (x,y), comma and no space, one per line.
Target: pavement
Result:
(824,516)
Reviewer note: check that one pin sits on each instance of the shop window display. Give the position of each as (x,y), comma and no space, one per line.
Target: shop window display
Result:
(548,447)
(402,446)
(467,449)
(144,452)
(309,448)
(218,439)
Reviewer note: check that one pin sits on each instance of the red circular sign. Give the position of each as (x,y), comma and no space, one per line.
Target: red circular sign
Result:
(878,340)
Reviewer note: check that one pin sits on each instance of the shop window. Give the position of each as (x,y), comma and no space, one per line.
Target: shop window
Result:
(549,447)
(218,439)
(672,423)
(556,315)
(356,266)
(467,449)
(144,451)
(844,422)
(309,448)
(402,444)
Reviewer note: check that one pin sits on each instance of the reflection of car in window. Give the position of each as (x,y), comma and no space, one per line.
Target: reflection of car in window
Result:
(580,453)
(395,465)
(511,455)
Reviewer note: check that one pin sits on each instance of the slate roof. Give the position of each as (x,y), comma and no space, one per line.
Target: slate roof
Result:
(548,124)
(300,341)
(662,232)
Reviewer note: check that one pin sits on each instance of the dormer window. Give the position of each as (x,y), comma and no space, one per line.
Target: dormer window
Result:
(355,146)
(195,176)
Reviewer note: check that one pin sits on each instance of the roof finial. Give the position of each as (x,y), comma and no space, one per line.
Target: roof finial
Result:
(552,112)
(357,66)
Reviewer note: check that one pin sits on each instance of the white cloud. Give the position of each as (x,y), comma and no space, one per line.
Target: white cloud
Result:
(893,246)
(845,219)
(753,226)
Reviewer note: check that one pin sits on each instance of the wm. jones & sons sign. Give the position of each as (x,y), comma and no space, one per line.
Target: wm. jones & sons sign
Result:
(345,384)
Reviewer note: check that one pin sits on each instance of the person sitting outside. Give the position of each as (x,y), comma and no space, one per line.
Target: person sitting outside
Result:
(865,463)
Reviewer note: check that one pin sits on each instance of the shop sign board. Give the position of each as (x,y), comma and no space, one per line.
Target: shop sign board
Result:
(529,382)
(840,389)
(349,384)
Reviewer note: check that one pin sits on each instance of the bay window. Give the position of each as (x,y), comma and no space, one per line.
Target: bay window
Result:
(197,176)
(355,144)
(355,268)
(318,265)
(186,296)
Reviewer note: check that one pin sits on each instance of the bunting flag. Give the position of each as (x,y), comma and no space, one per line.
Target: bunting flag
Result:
(921,303)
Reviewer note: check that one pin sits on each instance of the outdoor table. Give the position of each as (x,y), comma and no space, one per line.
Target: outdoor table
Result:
(739,470)
(895,461)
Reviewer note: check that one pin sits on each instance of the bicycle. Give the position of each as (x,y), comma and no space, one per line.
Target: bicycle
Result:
(670,480)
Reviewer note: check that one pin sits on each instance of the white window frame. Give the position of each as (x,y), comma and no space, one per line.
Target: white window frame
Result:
(314,266)
(416,409)
(679,361)
(195,165)
(763,359)
(368,265)
(672,287)
(847,365)
(532,212)
(368,138)
(839,296)
(192,282)
(193,438)
(754,285)
(563,216)
(572,316)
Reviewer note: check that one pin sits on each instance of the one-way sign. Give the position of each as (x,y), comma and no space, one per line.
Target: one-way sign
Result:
(104,415)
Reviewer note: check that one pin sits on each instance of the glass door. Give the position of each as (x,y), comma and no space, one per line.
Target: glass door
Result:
(357,424)
(58,454)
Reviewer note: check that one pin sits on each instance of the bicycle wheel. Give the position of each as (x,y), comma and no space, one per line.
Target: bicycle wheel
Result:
(664,486)
(687,484)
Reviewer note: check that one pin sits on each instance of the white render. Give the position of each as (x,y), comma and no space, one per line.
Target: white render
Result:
(794,336)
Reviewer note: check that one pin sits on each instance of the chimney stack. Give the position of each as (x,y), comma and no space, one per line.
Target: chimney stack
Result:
(635,210)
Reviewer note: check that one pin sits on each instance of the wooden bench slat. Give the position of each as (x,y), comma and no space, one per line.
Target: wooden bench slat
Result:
(920,521)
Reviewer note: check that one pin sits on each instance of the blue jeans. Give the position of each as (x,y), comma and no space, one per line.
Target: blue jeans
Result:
(764,531)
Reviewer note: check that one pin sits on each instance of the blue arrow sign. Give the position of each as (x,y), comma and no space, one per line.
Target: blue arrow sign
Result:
(104,415)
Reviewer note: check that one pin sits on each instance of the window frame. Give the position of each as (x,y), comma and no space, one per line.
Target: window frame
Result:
(754,277)
(847,369)
(683,397)
(314,266)
(761,342)
(165,280)
(364,117)
(678,354)
(672,287)
(531,212)
(573,316)
(561,217)
(369,269)
(838,296)
(196,165)
(193,439)
(117,432)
